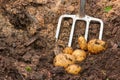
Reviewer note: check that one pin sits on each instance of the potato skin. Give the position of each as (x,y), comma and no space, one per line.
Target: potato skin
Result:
(73,69)
(68,50)
(80,55)
(63,60)
(82,43)
(95,46)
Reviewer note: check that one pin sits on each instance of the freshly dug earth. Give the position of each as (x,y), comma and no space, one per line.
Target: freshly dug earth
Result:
(27,43)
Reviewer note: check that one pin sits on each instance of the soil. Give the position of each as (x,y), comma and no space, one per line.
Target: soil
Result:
(27,43)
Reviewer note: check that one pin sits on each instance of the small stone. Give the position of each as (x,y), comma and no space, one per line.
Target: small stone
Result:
(115,46)
(32,30)
(41,1)
(71,8)
(31,10)
(30,0)
(35,59)
(27,57)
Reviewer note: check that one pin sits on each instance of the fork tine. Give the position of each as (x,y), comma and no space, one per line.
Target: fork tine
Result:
(58,27)
(101,30)
(101,26)
(71,33)
(87,29)
(72,30)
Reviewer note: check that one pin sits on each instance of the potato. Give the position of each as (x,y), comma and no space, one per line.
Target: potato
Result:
(68,50)
(63,60)
(95,46)
(80,55)
(73,69)
(82,43)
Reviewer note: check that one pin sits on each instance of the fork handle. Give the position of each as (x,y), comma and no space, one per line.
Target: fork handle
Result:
(82,8)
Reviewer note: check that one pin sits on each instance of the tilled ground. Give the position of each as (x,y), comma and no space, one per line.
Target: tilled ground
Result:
(27,43)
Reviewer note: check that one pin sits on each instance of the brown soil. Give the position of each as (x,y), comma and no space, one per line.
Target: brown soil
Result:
(27,30)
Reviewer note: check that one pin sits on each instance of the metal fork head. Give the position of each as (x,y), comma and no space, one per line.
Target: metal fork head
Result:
(87,19)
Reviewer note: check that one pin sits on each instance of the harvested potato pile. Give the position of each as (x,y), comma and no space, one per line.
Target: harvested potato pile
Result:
(68,62)
(70,57)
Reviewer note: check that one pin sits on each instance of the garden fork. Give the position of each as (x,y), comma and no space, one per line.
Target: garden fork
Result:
(82,17)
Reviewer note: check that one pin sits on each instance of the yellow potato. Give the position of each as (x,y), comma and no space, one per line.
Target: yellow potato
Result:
(68,50)
(95,46)
(82,43)
(63,60)
(73,69)
(80,55)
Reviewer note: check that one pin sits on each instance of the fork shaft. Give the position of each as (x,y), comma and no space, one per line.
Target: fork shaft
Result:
(82,8)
